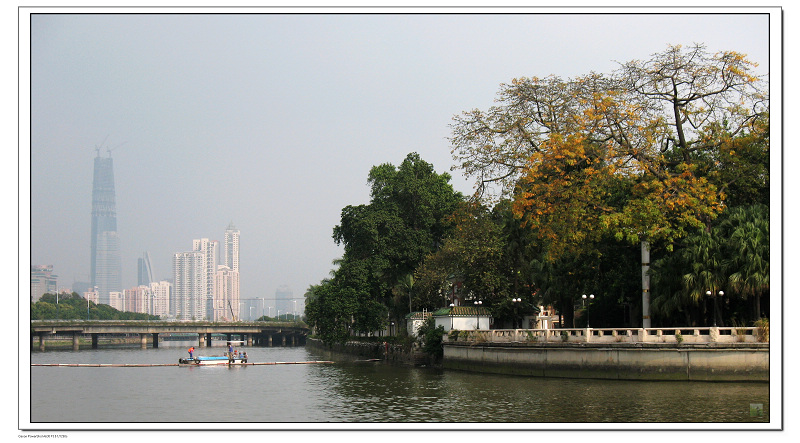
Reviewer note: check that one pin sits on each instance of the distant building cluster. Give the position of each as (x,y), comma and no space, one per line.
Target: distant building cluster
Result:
(204,289)
(43,281)
(201,288)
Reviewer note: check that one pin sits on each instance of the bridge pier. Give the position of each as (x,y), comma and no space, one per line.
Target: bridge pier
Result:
(283,340)
(41,342)
(143,338)
(95,340)
(155,339)
(249,339)
(76,337)
(269,340)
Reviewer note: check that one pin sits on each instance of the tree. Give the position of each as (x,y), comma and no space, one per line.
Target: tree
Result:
(384,242)
(472,255)
(330,312)
(430,337)
(747,232)
(74,307)
(613,154)
(732,255)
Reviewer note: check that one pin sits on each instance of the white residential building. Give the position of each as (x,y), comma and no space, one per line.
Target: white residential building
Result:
(92,295)
(209,250)
(232,247)
(160,292)
(136,299)
(226,294)
(191,285)
(115,300)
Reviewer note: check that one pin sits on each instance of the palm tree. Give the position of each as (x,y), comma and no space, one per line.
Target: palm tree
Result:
(707,267)
(406,284)
(747,233)
(670,296)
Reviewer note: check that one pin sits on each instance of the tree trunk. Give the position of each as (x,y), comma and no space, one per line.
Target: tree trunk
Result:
(757,302)
(645,284)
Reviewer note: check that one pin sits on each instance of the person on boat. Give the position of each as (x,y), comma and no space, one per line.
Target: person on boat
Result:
(244,357)
(230,349)
(191,352)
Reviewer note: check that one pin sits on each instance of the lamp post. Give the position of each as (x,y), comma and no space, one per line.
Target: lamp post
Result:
(583,301)
(710,294)
(451,315)
(477,316)
(515,302)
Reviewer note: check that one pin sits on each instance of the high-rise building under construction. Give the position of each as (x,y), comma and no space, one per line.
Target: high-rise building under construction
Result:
(106,263)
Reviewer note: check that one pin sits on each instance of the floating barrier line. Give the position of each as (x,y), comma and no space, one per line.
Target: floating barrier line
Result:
(148,365)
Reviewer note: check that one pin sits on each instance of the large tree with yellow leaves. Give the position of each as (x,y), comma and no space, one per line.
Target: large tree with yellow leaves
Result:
(634,153)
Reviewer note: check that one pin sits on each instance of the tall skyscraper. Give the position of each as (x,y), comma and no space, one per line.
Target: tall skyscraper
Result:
(106,263)
(227,291)
(209,250)
(232,247)
(145,270)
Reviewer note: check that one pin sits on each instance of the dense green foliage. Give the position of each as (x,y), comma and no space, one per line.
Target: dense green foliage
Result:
(430,337)
(384,242)
(668,155)
(74,307)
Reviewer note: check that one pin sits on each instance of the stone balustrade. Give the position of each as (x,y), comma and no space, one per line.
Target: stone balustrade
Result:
(688,335)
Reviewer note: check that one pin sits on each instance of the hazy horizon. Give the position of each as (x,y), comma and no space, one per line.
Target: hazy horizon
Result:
(272,122)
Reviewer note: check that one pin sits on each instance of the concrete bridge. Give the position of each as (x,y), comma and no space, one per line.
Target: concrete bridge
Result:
(253,333)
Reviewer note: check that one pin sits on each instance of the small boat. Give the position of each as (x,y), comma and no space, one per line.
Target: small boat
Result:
(214,360)
(227,358)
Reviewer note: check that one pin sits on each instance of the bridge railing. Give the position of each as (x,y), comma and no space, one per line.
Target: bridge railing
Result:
(163,322)
(611,335)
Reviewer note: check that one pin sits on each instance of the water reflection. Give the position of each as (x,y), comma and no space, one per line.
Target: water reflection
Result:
(358,392)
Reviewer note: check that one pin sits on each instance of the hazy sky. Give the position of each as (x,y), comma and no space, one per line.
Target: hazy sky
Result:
(272,121)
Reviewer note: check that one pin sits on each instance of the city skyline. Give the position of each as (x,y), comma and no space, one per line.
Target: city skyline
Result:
(274,121)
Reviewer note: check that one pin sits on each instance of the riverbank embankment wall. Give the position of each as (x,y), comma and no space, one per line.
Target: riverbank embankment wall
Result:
(732,362)
(371,350)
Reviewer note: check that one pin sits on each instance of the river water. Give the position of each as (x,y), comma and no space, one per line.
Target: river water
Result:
(356,392)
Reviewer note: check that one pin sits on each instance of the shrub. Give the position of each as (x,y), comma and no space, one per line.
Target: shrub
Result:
(431,337)
(763,329)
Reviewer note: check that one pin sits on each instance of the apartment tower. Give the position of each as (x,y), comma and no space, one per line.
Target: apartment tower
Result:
(190,286)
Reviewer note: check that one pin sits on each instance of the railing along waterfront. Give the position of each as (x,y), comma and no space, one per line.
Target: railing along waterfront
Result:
(688,335)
